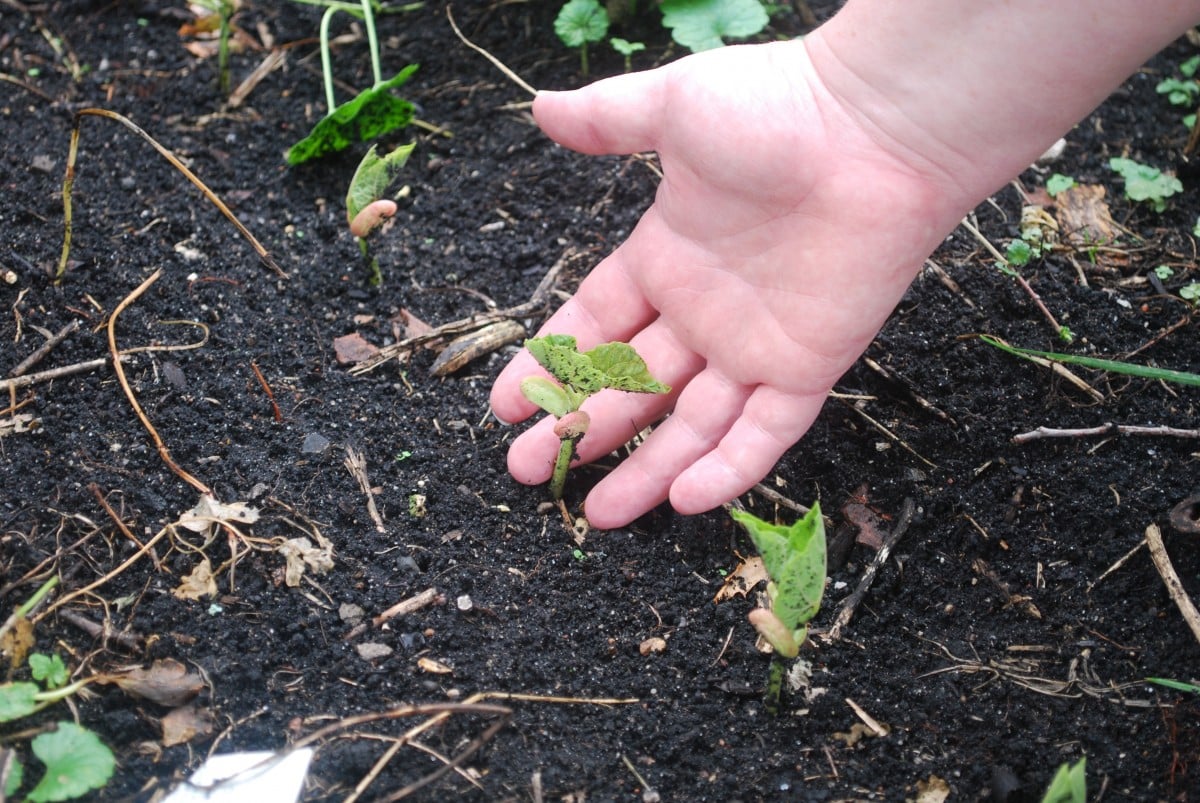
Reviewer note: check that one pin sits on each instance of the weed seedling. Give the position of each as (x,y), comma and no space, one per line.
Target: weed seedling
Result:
(794,558)
(1058,183)
(1069,784)
(1146,183)
(366,208)
(373,112)
(220,16)
(626,49)
(580,22)
(704,25)
(580,375)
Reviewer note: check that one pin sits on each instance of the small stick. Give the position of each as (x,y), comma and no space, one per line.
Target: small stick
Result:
(18,382)
(846,613)
(1162,562)
(357,466)
(1120,562)
(407,606)
(1105,430)
(44,349)
(163,452)
(130,641)
(512,76)
(262,380)
(112,514)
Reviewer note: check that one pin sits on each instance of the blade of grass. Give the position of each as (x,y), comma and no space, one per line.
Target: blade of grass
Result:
(1126,368)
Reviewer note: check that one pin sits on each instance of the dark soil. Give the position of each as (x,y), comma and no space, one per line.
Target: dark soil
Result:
(998,640)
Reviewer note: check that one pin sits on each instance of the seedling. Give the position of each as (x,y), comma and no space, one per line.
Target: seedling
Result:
(1146,183)
(366,208)
(794,558)
(373,112)
(1177,685)
(704,24)
(1069,784)
(1124,368)
(580,375)
(580,22)
(1058,183)
(626,49)
(220,16)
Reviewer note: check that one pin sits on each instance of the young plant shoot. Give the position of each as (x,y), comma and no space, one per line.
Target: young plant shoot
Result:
(366,208)
(372,113)
(580,375)
(794,558)
(580,22)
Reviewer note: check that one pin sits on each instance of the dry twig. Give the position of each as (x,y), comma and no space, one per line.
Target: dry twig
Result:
(1104,430)
(846,612)
(1162,562)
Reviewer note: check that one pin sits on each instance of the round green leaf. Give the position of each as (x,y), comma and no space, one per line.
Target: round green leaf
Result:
(703,24)
(581,21)
(76,763)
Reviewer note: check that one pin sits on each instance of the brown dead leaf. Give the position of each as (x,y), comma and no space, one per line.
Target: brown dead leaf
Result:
(868,522)
(406,325)
(301,555)
(653,645)
(167,682)
(934,790)
(17,642)
(185,723)
(352,348)
(1083,216)
(200,583)
(433,667)
(749,573)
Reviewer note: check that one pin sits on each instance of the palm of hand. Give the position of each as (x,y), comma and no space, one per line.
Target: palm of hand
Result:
(780,239)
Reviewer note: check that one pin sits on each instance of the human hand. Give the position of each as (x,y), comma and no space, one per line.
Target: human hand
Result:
(784,232)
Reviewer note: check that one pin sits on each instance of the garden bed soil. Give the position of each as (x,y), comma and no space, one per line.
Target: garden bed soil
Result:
(1008,631)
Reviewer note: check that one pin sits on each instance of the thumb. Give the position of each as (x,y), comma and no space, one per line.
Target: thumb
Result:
(617,115)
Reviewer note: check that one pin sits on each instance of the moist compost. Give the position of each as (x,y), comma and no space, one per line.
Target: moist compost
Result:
(1009,629)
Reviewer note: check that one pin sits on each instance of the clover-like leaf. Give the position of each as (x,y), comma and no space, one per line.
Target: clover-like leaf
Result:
(795,561)
(372,113)
(76,763)
(17,700)
(703,24)
(49,669)
(1146,183)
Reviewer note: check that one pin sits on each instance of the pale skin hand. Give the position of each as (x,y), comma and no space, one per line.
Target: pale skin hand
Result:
(797,204)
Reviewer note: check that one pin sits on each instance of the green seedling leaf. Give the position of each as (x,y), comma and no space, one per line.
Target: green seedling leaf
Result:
(609,365)
(76,763)
(17,700)
(1164,272)
(1128,369)
(374,112)
(1058,183)
(49,670)
(625,47)
(1069,784)
(371,180)
(16,774)
(1146,183)
(1179,93)
(1177,685)
(1188,67)
(546,394)
(795,561)
(703,24)
(1019,253)
(580,22)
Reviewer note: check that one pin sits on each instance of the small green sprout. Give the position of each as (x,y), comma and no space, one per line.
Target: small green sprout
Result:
(1164,272)
(1177,685)
(1059,183)
(579,375)
(1146,183)
(366,208)
(794,558)
(220,15)
(1069,784)
(1196,228)
(580,22)
(1190,292)
(704,24)
(626,49)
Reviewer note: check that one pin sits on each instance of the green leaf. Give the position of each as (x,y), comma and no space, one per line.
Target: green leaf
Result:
(1179,93)
(15,775)
(702,24)
(373,113)
(1146,183)
(1019,253)
(1177,685)
(580,22)
(1069,784)
(76,763)
(374,175)
(547,395)
(49,670)
(1164,272)
(1128,369)
(794,558)
(625,47)
(17,700)
(1058,183)
(1190,292)
(1188,68)
(609,365)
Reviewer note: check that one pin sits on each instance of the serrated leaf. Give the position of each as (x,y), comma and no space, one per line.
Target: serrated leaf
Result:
(1146,183)
(49,670)
(795,560)
(372,113)
(374,175)
(609,365)
(76,763)
(17,700)
(703,24)
(581,21)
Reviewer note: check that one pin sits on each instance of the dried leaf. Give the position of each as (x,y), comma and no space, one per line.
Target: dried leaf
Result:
(185,723)
(652,645)
(1083,216)
(433,667)
(748,574)
(200,583)
(301,555)
(167,682)
(352,348)
(17,642)
(18,424)
(868,522)
(934,790)
(208,511)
